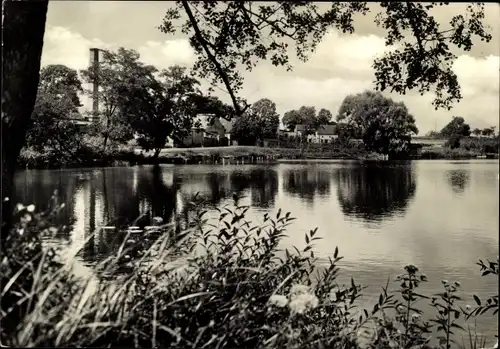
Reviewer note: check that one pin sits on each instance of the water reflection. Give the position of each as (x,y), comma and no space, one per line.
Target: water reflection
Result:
(375,192)
(424,235)
(307,182)
(458,179)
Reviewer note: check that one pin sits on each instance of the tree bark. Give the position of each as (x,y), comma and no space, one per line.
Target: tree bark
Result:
(23,31)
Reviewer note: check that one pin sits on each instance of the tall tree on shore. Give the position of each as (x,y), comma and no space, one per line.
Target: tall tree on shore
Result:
(23,30)
(305,115)
(121,75)
(167,107)
(324,116)
(386,126)
(456,127)
(228,35)
(56,102)
(61,82)
(291,119)
(260,121)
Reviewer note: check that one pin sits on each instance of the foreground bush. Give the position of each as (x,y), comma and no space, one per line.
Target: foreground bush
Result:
(228,289)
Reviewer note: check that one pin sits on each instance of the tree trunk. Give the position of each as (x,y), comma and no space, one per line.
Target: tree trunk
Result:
(156,154)
(23,31)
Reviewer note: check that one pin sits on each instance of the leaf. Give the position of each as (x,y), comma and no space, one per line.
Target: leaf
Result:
(336,253)
(476,298)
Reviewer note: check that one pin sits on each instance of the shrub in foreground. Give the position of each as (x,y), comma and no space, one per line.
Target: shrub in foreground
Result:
(228,289)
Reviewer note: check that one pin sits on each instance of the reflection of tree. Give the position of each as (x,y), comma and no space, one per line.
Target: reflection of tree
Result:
(374,192)
(264,184)
(217,186)
(160,198)
(458,179)
(38,187)
(307,182)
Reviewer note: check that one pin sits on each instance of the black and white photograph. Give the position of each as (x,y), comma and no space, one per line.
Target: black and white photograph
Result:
(250,174)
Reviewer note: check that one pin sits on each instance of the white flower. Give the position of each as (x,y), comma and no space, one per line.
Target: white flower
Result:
(468,307)
(299,303)
(278,300)
(20,207)
(31,208)
(157,220)
(298,289)
(26,218)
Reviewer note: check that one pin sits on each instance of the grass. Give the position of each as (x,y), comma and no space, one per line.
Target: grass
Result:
(230,291)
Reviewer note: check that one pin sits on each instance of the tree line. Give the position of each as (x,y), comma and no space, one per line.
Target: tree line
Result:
(135,100)
(457,129)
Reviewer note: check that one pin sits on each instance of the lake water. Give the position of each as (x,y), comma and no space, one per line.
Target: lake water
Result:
(441,216)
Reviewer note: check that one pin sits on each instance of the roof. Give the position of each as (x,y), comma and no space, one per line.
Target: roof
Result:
(323,130)
(300,128)
(327,130)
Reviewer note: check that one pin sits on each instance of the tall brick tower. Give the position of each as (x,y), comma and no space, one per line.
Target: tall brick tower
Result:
(94,62)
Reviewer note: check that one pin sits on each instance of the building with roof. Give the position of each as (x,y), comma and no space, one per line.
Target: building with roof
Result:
(324,133)
(207,129)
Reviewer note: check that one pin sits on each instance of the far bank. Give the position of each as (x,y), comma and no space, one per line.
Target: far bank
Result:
(232,155)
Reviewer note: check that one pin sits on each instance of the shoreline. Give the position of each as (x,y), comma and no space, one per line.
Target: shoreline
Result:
(242,155)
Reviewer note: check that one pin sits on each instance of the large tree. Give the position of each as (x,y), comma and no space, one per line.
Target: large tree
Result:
(228,35)
(324,117)
(385,126)
(121,75)
(57,101)
(61,82)
(456,127)
(22,41)
(167,107)
(259,122)
(305,115)
(291,118)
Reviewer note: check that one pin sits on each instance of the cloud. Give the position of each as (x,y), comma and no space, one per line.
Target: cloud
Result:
(341,65)
(167,53)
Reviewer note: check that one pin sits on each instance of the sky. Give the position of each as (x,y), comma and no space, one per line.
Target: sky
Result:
(340,66)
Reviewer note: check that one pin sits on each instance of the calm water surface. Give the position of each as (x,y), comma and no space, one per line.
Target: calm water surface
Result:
(441,216)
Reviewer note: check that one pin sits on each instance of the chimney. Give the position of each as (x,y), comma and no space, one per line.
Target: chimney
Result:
(94,62)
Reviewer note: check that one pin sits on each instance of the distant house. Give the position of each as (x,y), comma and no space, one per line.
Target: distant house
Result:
(324,134)
(207,130)
(300,130)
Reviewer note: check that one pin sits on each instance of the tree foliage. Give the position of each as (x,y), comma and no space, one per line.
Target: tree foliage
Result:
(167,107)
(488,131)
(229,35)
(61,82)
(306,115)
(57,101)
(384,125)
(121,76)
(324,116)
(476,132)
(259,122)
(456,127)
